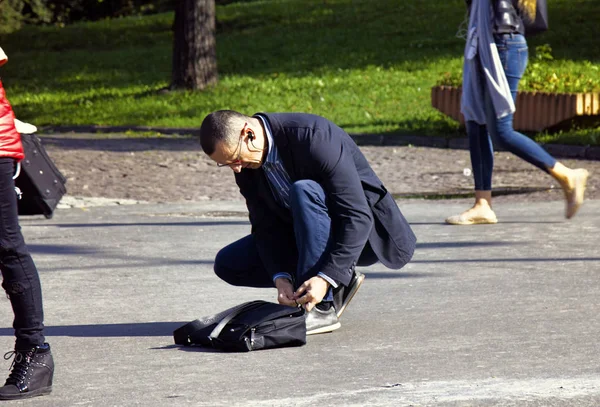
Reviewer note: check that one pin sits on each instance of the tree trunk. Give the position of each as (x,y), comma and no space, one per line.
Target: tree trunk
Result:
(194,45)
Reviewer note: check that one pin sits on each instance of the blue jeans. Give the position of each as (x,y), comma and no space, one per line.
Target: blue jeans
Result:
(513,52)
(239,263)
(20,277)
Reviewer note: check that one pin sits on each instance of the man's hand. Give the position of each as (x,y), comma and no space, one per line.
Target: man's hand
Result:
(285,292)
(311,292)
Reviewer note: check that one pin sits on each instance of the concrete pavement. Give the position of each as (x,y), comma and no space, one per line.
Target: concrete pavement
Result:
(502,314)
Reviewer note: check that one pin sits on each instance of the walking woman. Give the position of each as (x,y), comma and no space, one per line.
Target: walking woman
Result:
(496,56)
(32,366)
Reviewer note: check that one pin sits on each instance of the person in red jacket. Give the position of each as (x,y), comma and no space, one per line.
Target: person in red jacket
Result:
(32,366)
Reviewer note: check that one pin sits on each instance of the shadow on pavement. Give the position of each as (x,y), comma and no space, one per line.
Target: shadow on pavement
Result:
(193,349)
(513,260)
(145,264)
(61,249)
(100,225)
(108,330)
(442,245)
(121,143)
(398,274)
(483,226)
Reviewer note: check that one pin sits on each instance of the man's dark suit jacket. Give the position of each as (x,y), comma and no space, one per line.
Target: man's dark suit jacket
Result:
(361,209)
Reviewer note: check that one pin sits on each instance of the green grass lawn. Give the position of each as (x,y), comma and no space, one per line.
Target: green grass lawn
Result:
(367,65)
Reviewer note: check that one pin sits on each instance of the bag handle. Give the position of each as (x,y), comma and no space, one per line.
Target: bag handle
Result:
(17,170)
(182,334)
(234,312)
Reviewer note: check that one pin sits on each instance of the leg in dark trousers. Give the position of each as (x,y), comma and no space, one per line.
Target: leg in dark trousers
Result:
(20,276)
(312,228)
(239,264)
(33,366)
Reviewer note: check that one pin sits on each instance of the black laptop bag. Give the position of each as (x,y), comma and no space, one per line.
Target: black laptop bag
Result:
(249,326)
(41,184)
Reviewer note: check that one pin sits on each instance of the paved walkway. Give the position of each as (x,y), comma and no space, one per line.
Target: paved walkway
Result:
(502,314)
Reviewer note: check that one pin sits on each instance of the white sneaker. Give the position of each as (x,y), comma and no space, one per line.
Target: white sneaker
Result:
(319,321)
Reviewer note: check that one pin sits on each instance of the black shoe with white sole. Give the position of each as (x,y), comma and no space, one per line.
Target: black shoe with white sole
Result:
(343,295)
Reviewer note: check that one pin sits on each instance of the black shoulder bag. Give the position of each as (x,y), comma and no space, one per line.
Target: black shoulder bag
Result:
(40,182)
(249,326)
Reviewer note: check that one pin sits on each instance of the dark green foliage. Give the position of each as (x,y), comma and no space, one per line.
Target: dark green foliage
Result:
(10,15)
(69,11)
(367,65)
(15,13)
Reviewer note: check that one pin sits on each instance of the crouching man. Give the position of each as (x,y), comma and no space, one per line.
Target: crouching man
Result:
(316,207)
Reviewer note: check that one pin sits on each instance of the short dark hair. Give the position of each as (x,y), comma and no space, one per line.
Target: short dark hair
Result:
(217,128)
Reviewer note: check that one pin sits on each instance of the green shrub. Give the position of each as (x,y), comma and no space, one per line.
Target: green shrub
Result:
(545,74)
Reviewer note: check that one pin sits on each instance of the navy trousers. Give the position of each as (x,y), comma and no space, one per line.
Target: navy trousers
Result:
(239,263)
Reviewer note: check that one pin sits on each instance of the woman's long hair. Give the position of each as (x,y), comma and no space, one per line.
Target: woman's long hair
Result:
(527,7)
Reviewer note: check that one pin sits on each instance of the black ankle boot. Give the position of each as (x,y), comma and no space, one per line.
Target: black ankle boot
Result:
(31,375)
